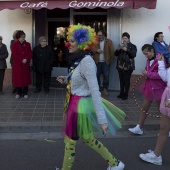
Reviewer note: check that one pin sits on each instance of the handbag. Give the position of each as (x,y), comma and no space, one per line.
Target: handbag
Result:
(125,64)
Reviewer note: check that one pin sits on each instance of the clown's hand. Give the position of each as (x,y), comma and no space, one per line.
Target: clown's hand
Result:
(104,128)
(62,79)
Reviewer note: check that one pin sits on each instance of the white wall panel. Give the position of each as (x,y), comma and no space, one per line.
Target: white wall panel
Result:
(12,20)
(113,33)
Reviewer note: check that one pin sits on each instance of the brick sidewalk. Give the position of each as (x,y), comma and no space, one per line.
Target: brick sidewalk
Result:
(42,108)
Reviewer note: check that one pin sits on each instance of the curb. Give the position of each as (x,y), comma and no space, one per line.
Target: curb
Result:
(53,136)
(56,127)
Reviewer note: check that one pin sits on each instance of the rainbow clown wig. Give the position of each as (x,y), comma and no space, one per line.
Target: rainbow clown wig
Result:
(84,35)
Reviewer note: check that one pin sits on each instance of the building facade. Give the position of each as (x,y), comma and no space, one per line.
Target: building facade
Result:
(116,17)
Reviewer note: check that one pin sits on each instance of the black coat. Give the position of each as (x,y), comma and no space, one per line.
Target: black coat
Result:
(127,57)
(3,56)
(43,59)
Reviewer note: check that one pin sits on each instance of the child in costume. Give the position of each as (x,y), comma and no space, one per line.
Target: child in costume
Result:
(155,156)
(152,88)
(84,109)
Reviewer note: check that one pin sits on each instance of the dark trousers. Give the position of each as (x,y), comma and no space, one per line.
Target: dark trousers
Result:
(124,78)
(2,73)
(22,90)
(43,78)
(103,69)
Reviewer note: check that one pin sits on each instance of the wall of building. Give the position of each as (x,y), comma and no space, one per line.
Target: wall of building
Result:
(12,20)
(142,24)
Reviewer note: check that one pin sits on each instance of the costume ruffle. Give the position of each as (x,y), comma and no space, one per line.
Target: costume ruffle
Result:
(81,120)
(165,96)
(149,93)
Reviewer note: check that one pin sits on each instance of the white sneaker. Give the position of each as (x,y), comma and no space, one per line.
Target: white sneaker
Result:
(136,130)
(57,168)
(120,166)
(26,96)
(151,158)
(17,96)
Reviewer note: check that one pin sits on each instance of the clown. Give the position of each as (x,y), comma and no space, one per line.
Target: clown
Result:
(84,109)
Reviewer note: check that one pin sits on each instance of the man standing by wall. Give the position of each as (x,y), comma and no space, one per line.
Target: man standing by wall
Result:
(43,59)
(104,53)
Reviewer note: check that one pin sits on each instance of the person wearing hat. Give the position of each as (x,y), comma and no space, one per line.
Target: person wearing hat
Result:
(126,52)
(84,109)
(3,65)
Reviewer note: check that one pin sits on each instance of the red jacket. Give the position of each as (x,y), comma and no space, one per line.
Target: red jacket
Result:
(21,72)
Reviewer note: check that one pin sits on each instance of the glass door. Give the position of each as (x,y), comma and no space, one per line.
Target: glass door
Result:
(57,39)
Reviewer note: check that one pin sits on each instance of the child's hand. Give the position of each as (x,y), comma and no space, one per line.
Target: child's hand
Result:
(144,73)
(161,58)
(167,103)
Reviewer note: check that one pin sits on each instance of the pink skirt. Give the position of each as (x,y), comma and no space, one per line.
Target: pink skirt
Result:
(81,120)
(165,96)
(151,94)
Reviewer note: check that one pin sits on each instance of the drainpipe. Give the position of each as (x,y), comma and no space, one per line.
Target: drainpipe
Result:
(33,45)
(121,20)
(33,28)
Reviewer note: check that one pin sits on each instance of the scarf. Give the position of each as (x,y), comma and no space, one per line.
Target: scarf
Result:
(77,57)
(74,61)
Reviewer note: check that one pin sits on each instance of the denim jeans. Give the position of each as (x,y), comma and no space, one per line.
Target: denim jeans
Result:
(103,69)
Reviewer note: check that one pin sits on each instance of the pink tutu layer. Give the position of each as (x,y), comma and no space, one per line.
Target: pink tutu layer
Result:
(71,117)
(165,96)
(151,94)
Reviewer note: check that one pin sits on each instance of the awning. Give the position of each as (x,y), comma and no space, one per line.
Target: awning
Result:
(77,4)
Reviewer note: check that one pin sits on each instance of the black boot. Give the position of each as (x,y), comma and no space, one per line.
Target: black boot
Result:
(120,95)
(125,97)
(37,90)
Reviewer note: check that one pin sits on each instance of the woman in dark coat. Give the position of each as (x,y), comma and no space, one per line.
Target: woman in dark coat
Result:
(43,59)
(22,54)
(3,66)
(125,64)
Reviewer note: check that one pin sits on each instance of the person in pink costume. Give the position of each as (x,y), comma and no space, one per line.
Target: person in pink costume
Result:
(155,156)
(152,88)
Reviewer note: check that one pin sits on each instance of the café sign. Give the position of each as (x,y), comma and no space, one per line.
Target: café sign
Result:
(75,4)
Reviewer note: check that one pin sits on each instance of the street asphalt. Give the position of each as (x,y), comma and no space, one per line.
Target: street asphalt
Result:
(46,154)
(31,138)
